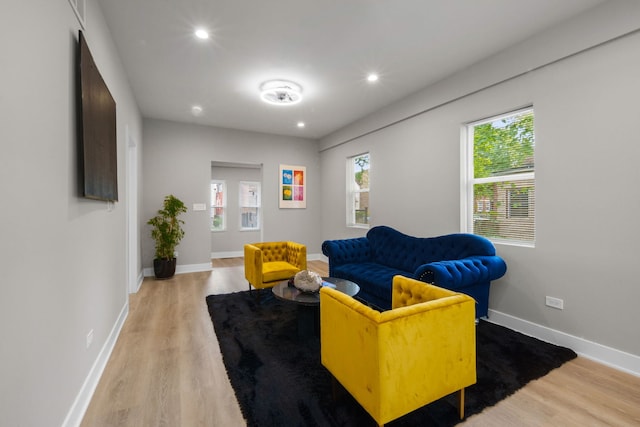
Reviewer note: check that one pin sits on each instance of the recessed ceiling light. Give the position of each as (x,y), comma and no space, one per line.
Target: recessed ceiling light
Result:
(201,33)
(196,110)
(373,77)
(301,125)
(280,92)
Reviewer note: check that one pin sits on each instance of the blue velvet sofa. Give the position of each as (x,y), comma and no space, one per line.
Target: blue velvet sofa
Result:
(464,263)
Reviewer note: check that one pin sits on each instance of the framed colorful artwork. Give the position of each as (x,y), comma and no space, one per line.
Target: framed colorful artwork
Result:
(293,187)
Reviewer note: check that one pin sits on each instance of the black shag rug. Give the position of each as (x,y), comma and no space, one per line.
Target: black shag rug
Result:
(279,380)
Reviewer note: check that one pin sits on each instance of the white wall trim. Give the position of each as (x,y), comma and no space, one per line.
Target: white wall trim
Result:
(192,268)
(181,269)
(218,255)
(80,405)
(139,281)
(316,257)
(616,359)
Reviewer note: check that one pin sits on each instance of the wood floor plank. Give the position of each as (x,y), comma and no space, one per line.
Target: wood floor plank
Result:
(166,369)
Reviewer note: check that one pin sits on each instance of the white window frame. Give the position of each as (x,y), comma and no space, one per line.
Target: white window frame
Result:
(353,190)
(468,181)
(256,205)
(223,206)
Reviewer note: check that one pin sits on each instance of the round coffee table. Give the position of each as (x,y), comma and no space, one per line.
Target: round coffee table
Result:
(309,302)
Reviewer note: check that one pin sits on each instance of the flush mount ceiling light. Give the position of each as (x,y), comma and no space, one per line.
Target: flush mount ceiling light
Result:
(280,92)
(201,33)
(196,110)
(372,78)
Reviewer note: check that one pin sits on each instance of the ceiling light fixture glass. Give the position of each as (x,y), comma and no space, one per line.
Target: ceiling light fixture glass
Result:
(281,92)
(301,125)
(373,77)
(202,34)
(196,110)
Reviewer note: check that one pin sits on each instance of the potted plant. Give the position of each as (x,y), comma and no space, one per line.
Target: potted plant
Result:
(167,232)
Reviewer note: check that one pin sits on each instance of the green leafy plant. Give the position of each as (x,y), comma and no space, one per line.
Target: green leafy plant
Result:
(167,228)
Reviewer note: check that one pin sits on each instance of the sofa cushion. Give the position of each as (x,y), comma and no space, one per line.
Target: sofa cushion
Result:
(278,270)
(373,279)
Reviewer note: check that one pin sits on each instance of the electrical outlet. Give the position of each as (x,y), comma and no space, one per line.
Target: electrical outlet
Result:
(554,302)
(89,338)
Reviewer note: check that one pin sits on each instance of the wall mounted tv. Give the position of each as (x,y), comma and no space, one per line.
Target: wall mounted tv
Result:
(97,138)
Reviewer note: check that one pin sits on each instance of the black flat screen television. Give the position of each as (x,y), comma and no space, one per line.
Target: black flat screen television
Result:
(96,130)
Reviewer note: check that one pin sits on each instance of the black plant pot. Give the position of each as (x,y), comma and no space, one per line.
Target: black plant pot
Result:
(164,268)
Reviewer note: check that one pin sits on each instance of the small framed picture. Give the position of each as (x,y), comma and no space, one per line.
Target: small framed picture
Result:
(293,187)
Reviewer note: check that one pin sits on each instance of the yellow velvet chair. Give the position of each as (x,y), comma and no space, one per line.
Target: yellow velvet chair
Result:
(267,263)
(399,360)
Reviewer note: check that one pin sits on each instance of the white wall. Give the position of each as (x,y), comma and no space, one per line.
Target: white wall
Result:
(63,262)
(588,235)
(177,160)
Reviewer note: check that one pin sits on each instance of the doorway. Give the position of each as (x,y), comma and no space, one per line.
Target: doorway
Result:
(237,218)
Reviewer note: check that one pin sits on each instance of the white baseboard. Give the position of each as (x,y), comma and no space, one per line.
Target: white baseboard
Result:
(218,255)
(139,281)
(193,268)
(80,405)
(181,269)
(617,359)
(315,257)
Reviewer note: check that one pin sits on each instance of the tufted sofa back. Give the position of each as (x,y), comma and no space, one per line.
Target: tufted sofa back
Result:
(279,251)
(395,249)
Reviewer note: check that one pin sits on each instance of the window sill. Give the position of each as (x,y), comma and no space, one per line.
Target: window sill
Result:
(361,226)
(514,243)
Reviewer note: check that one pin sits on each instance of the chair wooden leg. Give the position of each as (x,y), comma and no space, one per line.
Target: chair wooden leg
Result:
(461,402)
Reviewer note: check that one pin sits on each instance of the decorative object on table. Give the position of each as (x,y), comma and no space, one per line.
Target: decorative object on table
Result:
(293,187)
(167,232)
(268,263)
(262,356)
(307,281)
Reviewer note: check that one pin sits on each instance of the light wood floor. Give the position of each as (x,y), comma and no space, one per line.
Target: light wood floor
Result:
(166,369)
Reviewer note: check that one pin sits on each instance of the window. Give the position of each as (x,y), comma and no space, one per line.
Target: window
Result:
(358,168)
(218,205)
(518,203)
(500,181)
(483,205)
(249,205)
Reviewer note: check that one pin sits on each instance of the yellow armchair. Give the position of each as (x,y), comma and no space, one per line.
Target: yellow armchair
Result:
(267,263)
(396,361)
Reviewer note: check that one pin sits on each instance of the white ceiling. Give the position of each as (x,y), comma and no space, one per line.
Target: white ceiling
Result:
(326,46)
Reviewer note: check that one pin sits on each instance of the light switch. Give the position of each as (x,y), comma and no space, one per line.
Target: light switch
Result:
(199,207)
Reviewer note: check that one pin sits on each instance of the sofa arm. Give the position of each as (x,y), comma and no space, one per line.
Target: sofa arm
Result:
(346,251)
(253,264)
(456,274)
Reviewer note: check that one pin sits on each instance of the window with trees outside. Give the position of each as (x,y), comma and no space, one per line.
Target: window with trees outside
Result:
(249,205)
(500,178)
(358,172)
(218,205)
